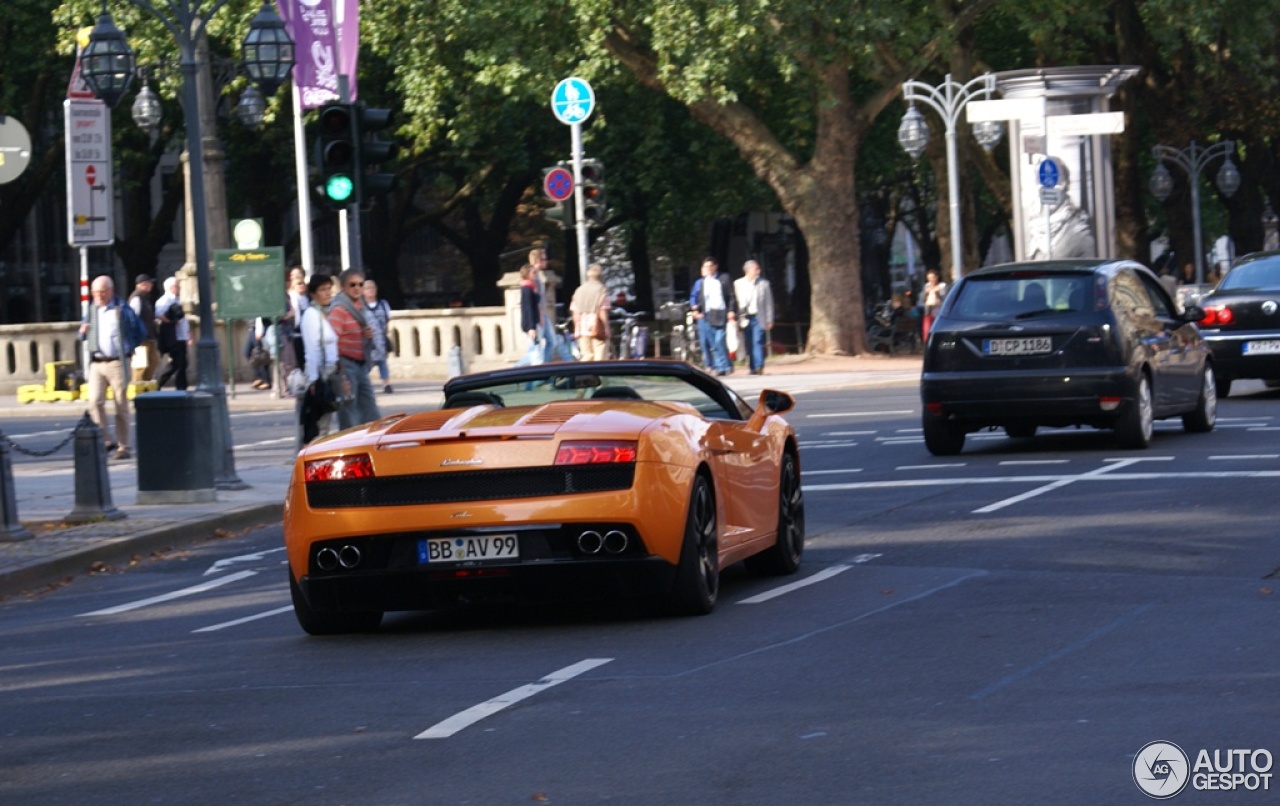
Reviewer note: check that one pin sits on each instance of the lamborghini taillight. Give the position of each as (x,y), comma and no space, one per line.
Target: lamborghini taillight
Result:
(338,468)
(596,452)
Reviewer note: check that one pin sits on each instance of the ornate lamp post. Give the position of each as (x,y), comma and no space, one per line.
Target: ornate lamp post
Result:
(948,99)
(107,66)
(1192,159)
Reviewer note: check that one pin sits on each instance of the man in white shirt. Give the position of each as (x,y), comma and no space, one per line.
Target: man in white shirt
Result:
(108,364)
(713,307)
(173,333)
(755,313)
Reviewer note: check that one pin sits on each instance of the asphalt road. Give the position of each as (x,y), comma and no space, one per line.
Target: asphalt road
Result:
(1011,625)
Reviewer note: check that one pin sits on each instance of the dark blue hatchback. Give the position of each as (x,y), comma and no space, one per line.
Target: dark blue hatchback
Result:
(1063,343)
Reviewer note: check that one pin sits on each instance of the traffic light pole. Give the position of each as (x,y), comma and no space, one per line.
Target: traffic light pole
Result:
(579,206)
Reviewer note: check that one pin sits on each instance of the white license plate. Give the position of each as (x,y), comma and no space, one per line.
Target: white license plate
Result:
(1032,346)
(469,548)
(1261,347)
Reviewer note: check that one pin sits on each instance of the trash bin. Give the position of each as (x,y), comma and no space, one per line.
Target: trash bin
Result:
(175,457)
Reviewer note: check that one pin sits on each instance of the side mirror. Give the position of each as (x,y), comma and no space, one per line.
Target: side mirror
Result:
(775,402)
(1193,313)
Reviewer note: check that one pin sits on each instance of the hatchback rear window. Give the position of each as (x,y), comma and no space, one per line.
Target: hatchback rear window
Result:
(1254,274)
(1025,297)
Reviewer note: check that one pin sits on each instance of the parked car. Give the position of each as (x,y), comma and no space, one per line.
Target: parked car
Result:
(1241,321)
(1063,343)
(564,480)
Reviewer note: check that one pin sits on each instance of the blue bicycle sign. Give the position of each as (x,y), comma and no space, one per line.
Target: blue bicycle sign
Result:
(572,100)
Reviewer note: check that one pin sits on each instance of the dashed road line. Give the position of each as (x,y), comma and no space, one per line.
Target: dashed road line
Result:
(170,596)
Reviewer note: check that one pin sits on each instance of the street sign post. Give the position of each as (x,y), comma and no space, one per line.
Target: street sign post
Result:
(1052,176)
(15,149)
(90,200)
(572,102)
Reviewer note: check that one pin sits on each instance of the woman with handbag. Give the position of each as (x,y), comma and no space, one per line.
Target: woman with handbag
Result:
(318,400)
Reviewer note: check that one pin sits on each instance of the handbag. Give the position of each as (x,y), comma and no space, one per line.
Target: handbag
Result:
(717,317)
(322,396)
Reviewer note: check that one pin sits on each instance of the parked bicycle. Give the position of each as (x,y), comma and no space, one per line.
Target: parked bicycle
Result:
(632,339)
(683,331)
(893,330)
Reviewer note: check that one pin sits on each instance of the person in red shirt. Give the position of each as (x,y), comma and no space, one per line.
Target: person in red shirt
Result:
(348,317)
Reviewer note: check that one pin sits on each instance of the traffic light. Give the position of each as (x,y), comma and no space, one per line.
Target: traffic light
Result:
(372,152)
(336,155)
(561,213)
(593,201)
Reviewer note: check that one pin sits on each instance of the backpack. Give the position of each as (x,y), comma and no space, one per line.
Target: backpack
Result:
(132,330)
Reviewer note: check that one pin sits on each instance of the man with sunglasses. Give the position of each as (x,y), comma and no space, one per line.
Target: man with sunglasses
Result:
(349,319)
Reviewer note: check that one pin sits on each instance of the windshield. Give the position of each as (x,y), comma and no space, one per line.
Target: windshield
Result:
(532,386)
(1263,273)
(1005,297)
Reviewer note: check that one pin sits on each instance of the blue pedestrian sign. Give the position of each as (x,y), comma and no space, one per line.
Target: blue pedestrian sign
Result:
(1050,172)
(572,101)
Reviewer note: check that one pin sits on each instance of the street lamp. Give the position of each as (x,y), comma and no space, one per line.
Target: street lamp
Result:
(948,100)
(107,67)
(1191,160)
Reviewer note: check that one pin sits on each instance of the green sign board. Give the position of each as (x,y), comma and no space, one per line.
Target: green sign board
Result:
(249,282)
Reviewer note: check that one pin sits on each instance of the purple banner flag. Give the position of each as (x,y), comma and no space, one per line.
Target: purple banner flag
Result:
(326,35)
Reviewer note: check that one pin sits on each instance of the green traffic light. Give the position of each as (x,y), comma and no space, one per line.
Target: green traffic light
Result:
(339,188)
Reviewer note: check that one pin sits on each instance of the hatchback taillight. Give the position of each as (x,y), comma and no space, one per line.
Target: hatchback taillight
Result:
(1217,316)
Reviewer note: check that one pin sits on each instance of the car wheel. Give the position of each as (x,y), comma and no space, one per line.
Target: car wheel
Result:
(783,557)
(698,576)
(1138,419)
(1020,431)
(941,437)
(1206,414)
(1223,386)
(316,622)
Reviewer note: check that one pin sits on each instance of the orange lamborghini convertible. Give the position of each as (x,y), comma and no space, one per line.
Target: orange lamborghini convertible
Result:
(635,478)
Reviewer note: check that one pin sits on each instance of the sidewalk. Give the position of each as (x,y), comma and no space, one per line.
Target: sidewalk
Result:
(46,490)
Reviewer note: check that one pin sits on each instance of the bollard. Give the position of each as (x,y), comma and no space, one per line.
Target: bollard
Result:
(11,530)
(455,361)
(93,486)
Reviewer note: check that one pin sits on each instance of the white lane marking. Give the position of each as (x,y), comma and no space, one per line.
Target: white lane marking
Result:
(1246,456)
(242,558)
(859,414)
(178,594)
(1053,486)
(931,467)
(455,723)
(1263,428)
(822,575)
(847,433)
(245,620)
(267,443)
(864,558)
(817,446)
(833,472)
(1035,462)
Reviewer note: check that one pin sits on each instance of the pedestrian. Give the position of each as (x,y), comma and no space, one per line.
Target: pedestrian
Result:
(755,313)
(112,332)
(173,334)
(257,351)
(380,319)
(935,291)
(590,311)
(288,332)
(546,303)
(144,362)
(319,359)
(713,307)
(530,317)
(350,321)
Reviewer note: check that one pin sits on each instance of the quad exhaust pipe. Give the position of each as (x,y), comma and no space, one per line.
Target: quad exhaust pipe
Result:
(611,542)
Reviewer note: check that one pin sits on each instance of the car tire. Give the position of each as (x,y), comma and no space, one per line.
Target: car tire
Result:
(1223,386)
(783,557)
(1137,420)
(1020,431)
(316,622)
(1205,415)
(698,576)
(941,437)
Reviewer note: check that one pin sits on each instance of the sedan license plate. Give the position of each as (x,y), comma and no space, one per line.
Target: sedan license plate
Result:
(1270,347)
(1028,346)
(469,548)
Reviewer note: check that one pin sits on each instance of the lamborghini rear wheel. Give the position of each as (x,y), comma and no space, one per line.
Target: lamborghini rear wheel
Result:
(318,622)
(698,577)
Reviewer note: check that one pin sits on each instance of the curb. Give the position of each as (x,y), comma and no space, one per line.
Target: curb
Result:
(48,572)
